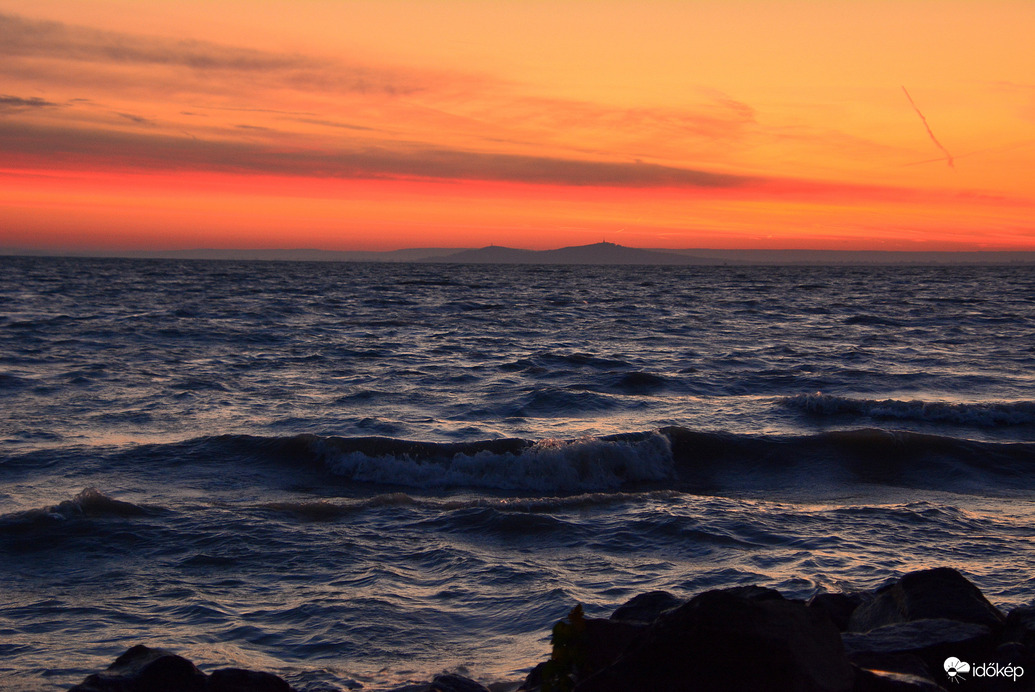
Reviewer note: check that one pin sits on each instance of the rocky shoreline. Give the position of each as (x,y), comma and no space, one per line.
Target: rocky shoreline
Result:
(924,632)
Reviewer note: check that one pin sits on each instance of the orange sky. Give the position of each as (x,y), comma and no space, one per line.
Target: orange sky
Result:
(390,123)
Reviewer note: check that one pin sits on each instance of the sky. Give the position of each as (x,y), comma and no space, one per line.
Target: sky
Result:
(342,125)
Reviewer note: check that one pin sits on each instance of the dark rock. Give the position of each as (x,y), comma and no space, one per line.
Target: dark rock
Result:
(581,647)
(143,669)
(502,686)
(135,658)
(940,593)
(1020,626)
(455,683)
(755,592)
(645,607)
(932,641)
(1017,655)
(887,681)
(534,678)
(604,641)
(723,641)
(238,680)
(170,674)
(837,606)
(1011,653)
(131,664)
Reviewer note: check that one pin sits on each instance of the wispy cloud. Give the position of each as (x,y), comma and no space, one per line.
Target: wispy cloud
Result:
(108,150)
(715,119)
(21,37)
(579,126)
(336,125)
(17,103)
(137,119)
(112,149)
(34,48)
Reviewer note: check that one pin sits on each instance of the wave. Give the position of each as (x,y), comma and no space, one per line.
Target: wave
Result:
(676,458)
(88,504)
(385,469)
(715,462)
(988,414)
(542,466)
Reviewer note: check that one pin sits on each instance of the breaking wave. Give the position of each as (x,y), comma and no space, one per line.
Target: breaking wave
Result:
(582,465)
(377,469)
(682,459)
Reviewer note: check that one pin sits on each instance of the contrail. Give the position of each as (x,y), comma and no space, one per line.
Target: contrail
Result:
(948,156)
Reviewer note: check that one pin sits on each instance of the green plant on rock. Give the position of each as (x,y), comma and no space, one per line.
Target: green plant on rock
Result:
(561,672)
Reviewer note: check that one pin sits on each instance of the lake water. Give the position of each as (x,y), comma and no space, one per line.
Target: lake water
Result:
(372,473)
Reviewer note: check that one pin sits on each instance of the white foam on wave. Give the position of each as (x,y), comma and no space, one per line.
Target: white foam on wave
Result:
(981,414)
(582,465)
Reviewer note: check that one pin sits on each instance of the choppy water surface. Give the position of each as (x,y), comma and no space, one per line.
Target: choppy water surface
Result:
(373,473)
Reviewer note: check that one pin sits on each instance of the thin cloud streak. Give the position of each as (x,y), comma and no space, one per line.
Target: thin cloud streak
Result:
(20,37)
(109,149)
(137,119)
(34,147)
(26,43)
(948,156)
(337,125)
(17,103)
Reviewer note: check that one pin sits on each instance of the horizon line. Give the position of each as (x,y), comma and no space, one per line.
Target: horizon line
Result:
(576,254)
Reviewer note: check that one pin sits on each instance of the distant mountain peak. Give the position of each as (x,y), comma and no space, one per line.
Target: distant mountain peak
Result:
(603,252)
(601,244)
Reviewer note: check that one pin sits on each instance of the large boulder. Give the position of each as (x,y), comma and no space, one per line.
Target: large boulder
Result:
(605,640)
(145,669)
(1020,626)
(239,680)
(452,682)
(645,607)
(941,593)
(836,606)
(931,641)
(725,641)
(581,647)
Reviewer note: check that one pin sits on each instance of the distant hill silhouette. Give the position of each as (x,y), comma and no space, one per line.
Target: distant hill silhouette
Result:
(597,253)
(492,254)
